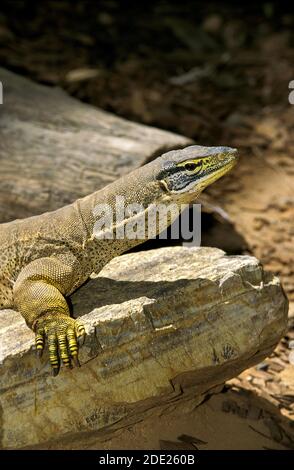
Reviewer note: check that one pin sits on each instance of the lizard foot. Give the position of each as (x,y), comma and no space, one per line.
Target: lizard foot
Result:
(64,335)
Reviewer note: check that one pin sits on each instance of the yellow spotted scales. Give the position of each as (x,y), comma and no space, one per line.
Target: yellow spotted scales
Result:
(43,259)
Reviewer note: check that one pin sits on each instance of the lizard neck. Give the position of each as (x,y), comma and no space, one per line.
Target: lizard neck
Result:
(126,205)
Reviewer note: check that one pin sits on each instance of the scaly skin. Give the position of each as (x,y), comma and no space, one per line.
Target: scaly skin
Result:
(44,259)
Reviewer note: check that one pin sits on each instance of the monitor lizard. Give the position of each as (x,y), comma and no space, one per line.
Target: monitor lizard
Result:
(45,258)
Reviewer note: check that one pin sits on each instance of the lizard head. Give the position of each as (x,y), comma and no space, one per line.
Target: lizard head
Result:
(183,174)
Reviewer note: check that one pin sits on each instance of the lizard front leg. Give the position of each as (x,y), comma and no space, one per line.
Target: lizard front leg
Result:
(38,295)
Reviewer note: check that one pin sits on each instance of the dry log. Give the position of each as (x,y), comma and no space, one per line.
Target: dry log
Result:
(184,321)
(54,149)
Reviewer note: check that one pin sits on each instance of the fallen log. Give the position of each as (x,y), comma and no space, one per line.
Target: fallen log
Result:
(184,320)
(55,149)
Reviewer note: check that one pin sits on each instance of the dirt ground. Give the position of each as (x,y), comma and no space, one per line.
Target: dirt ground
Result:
(233,419)
(218,74)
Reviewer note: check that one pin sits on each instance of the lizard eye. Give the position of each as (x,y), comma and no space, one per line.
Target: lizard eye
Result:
(192,166)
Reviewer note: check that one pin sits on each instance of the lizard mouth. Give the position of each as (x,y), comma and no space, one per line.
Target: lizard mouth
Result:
(224,164)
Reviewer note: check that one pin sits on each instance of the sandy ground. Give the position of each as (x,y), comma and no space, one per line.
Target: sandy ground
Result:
(234,419)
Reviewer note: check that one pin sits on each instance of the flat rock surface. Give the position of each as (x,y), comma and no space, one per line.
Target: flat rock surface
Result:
(163,325)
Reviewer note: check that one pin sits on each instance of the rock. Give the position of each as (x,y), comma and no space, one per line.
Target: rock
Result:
(163,326)
(55,149)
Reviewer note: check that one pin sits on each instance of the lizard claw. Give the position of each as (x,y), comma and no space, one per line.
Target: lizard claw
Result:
(39,353)
(55,371)
(81,340)
(76,361)
(81,333)
(64,335)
